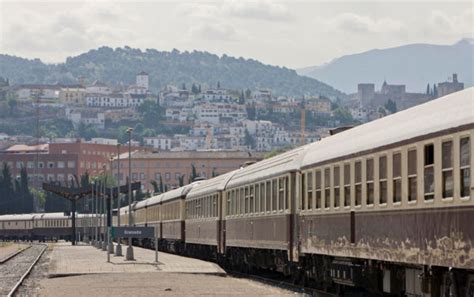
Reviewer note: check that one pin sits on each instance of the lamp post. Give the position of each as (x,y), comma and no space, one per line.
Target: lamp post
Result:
(91,225)
(96,217)
(110,245)
(118,249)
(129,256)
(104,218)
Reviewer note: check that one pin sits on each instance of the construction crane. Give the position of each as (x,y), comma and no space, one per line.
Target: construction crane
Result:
(302,122)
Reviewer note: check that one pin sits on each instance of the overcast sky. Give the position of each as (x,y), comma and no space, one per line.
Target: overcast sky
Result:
(293,34)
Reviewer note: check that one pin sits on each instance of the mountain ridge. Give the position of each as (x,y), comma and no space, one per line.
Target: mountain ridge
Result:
(414,65)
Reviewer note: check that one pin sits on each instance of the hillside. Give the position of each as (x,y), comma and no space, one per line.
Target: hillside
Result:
(414,65)
(118,65)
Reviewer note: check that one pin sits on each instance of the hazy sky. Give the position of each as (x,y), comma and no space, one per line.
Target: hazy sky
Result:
(286,33)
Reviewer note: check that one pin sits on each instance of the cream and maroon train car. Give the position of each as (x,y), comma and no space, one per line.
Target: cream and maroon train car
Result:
(259,212)
(391,202)
(16,226)
(172,218)
(205,231)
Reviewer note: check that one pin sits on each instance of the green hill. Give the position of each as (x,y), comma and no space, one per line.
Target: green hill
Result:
(120,65)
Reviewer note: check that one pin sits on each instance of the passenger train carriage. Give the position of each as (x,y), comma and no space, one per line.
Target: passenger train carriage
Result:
(385,207)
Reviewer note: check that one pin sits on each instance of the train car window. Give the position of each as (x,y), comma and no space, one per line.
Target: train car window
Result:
(397,177)
(257,198)
(383,179)
(309,196)
(447,168)
(429,172)
(318,189)
(337,185)
(287,192)
(304,192)
(358,182)
(214,206)
(262,197)
(246,210)
(268,195)
(465,159)
(412,183)
(227,211)
(251,199)
(281,193)
(347,184)
(327,187)
(369,177)
(243,203)
(274,194)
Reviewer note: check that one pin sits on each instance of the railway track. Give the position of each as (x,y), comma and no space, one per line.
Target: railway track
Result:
(17,268)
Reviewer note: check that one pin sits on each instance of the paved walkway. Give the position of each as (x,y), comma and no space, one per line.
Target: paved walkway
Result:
(84,259)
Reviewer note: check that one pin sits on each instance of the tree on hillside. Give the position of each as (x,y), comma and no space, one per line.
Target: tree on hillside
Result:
(183,86)
(181,180)
(6,189)
(428,89)
(194,89)
(218,85)
(391,106)
(156,188)
(435,91)
(162,186)
(193,174)
(248,93)
(249,141)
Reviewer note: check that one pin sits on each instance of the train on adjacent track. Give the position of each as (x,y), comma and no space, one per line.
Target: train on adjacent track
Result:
(384,207)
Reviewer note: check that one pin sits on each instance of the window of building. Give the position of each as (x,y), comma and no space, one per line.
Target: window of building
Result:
(167,176)
(309,192)
(318,189)
(358,182)
(369,174)
(20,165)
(177,176)
(429,172)
(134,176)
(142,176)
(397,177)
(337,184)
(71,164)
(30,165)
(327,187)
(383,179)
(412,183)
(465,159)
(447,168)
(60,164)
(347,184)
(157,175)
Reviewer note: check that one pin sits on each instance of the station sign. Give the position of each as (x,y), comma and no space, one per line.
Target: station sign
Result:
(133,232)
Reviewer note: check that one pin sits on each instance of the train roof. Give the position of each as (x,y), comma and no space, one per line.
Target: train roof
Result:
(17,217)
(176,193)
(212,185)
(451,111)
(277,165)
(31,216)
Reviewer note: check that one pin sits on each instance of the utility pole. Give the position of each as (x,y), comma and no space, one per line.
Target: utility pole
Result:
(130,248)
(104,218)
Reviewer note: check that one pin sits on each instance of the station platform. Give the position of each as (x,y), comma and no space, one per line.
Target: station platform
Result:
(68,260)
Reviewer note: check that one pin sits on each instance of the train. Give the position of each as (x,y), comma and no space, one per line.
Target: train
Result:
(383,208)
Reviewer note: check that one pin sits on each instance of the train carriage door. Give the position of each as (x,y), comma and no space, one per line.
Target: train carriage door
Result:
(294,192)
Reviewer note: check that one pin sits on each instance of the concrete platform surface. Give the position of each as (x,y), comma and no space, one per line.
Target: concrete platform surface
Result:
(154,284)
(67,260)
